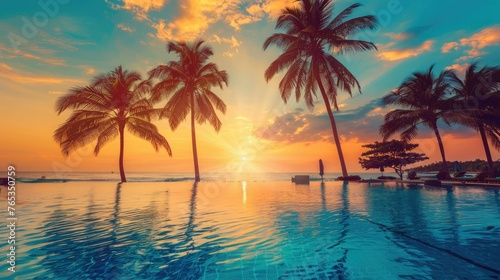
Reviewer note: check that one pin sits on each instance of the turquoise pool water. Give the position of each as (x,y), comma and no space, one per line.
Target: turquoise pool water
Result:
(254,230)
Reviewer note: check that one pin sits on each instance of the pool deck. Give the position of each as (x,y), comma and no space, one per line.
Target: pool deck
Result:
(444,183)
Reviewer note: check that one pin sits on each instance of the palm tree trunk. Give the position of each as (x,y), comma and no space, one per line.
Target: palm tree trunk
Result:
(334,129)
(193,140)
(486,150)
(121,128)
(444,166)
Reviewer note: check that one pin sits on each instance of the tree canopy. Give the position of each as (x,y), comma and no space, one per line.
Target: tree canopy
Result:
(393,154)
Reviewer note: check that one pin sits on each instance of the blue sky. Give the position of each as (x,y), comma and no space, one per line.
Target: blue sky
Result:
(47,48)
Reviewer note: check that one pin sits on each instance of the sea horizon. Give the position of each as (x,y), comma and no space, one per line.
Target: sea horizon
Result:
(212,176)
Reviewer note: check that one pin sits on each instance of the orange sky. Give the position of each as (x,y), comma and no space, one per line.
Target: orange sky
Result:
(82,40)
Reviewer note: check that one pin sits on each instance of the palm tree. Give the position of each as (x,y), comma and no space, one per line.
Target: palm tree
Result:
(424,99)
(103,109)
(478,103)
(187,82)
(310,40)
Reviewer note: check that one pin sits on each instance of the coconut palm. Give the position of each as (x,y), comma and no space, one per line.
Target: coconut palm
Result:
(312,36)
(478,102)
(422,99)
(102,110)
(187,82)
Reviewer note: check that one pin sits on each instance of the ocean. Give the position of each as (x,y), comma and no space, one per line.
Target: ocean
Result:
(36,177)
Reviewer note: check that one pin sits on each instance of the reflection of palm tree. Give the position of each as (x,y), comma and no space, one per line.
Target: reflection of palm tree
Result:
(194,255)
(116,214)
(102,111)
(424,99)
(451,202)
(345,215)
(323,197)
(80,241)
(188,82)
(480,94)
(192,213)
(310,35)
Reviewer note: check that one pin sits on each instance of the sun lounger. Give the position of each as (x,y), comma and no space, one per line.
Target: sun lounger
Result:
(301,179)
(459,174)
(471,177)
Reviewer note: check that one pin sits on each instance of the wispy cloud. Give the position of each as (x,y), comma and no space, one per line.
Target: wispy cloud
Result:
(6,71)
(399,36)
(233,43)
(273,8)
(399,54)
(459,68)
(31,56)
(139,7)
(450,46)
(89,70)
(489,36)
(124,27)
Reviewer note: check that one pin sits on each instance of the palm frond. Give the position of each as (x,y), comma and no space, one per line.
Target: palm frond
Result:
(205,112)
(215,100)
(283,61)
(149,132)
(105,136)
(400,120)
(353,26)
(342,16)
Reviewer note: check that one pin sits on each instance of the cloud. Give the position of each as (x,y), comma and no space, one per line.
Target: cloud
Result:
(450,46)
(459,68)
(124,27)
(295,127)
(5,66)
(399,36)
(194,19)
(232,42)
(411,38)
(31,56)
(8,72)
(89,70)
(399,54)
(196,16)
(139,7)
(274,7)
(237,19)
(485,38)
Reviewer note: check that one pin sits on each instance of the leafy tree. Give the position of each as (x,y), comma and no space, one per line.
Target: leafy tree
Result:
(310,39)
(102,110)
(187,83)
(393,154)
(421,99)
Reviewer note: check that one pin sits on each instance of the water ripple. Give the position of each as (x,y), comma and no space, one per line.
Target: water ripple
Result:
(181,231)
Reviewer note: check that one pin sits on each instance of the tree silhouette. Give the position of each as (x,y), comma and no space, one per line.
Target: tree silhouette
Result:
(102,110)
(311,36)
(421,99)
(187,82)
(477,105)
(394,154)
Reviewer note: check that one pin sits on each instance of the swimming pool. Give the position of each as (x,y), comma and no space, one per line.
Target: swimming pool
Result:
(254,230)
